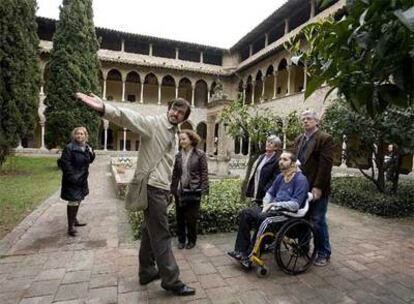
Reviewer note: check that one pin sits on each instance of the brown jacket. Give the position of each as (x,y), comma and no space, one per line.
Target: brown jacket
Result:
(318,160)
(198,172)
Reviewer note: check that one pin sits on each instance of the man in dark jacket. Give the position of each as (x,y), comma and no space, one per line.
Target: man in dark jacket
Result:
(264,170)
(315,150)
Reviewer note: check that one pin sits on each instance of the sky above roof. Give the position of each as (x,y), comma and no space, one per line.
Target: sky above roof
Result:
(218,23)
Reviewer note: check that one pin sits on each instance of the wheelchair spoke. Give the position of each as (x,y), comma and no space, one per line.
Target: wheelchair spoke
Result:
(294,265)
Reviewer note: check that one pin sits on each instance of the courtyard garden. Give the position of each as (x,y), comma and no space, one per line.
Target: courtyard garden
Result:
(25,182)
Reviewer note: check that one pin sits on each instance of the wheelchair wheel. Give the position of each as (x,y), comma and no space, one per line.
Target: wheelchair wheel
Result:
(296,246)
(262,271)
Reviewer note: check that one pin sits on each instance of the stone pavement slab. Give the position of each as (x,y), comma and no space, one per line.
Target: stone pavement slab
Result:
(372,260)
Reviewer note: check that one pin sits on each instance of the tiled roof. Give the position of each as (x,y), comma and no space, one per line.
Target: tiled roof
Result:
(150,61)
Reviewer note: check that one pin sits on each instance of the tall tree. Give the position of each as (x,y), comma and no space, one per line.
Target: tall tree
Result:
(367,55)
(19,72)
(73,66)
(367,136)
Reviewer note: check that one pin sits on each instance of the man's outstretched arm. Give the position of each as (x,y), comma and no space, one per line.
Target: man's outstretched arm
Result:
(91,101)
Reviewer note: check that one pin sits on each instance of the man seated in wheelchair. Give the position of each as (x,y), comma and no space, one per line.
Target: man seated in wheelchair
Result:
(288,192)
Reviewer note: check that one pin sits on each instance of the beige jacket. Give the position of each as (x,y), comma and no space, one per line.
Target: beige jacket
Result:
(157,136)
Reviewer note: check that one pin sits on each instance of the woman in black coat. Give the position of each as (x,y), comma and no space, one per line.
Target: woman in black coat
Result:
(189,182)
(74,163)
(264,170)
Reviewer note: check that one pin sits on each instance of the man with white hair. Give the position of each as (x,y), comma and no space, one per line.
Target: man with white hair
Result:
(315,150)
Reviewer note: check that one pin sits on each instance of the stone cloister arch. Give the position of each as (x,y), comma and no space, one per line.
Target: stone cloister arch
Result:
(258,88)
(151,94)
(202,132)
(240,91)
(114,85)
(132,87)
(269,83)
(167,89)
(248,90)
(185,89)
(200,94)
(282,78)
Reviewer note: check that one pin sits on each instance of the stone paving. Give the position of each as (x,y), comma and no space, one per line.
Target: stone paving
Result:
(372,261)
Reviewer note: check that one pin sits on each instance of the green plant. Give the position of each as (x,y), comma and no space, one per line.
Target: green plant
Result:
(19,73)
(218,213)
(358,193)
(73,67)
(393,126)
(367,55)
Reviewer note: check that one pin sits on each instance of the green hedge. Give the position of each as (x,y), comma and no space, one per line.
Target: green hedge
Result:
(360,194)
(220,213)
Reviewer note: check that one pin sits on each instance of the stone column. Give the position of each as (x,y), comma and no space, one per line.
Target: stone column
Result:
(289,91)
(176,91)
(104,88)
(253,92)
(244,94)
(124,146)
(42,136)
(343,153)
(201,57)
(106,126)
(266,39)
(312,8)
(150,49)
(159,93)
(192,95)
(286,26)
(210,135)
(123,90)
(305,77)
(176,53)
(250,50)
(263,89)
(123,45)
(141,100)
(208,95)
(275,73)
(19,146)
(42,119)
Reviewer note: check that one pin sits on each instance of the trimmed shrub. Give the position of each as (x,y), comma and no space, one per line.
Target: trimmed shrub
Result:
(360,194)
(218,213)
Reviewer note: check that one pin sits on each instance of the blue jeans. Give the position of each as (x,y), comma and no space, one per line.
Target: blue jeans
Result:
(317,215)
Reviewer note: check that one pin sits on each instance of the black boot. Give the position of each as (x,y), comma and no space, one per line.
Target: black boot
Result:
(71,213)
(77,223)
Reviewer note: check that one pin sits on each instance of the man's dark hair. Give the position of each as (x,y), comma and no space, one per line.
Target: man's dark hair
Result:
(180,103)
(292,154)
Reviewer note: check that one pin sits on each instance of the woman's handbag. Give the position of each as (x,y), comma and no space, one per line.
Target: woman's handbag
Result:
(188,195)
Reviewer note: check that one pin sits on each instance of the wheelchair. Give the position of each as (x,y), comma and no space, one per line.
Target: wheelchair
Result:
(290,237)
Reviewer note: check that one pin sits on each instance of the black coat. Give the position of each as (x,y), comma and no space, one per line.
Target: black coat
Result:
(267,175)
(75,166)
(198,170)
